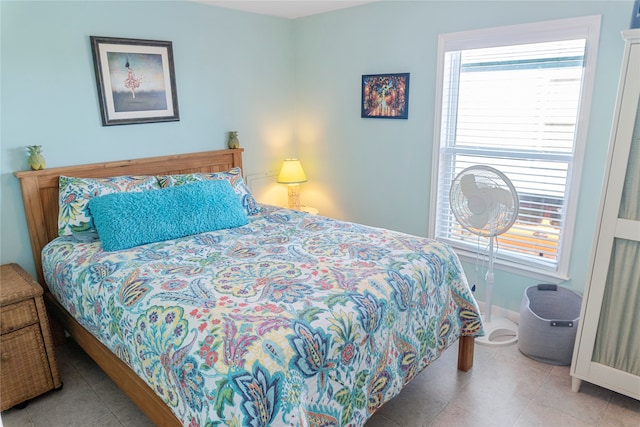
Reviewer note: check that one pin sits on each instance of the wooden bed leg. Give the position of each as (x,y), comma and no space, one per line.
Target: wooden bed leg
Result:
(465,353)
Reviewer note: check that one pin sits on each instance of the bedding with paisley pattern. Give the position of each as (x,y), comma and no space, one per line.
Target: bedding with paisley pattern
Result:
(293,319)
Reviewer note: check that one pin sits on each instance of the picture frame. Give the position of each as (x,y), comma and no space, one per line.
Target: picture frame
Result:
(135,79)
(635,15)
(385,96)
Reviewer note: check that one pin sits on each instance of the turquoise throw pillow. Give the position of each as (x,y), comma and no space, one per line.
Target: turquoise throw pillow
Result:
(125,220)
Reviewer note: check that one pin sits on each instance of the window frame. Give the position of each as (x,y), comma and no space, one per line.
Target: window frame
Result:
(587,27)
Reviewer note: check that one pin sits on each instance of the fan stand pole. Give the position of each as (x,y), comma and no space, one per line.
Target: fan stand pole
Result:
(500,331)
(489,281)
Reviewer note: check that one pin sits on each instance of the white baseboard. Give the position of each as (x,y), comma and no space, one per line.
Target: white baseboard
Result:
(501,312)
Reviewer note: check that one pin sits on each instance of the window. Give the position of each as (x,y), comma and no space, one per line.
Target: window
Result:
(517,99)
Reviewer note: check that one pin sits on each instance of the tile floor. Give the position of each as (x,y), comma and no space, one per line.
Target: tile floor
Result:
(504,388)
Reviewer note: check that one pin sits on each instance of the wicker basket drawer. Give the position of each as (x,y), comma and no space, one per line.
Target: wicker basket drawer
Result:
(19,315)
(24,366)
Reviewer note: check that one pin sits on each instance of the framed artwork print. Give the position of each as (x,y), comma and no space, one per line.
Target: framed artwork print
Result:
(136,80)
(385,96)
(635,15)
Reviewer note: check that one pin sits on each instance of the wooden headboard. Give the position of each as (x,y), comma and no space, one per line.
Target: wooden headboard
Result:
(40,188)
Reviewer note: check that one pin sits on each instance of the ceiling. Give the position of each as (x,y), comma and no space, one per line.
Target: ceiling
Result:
(286,9)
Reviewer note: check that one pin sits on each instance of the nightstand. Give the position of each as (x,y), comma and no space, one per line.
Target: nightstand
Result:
(27,360)
(309,210)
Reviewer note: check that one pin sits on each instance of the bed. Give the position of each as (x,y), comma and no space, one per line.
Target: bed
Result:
(287,318)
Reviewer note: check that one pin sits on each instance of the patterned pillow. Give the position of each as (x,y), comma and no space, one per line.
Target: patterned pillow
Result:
(75,193)
(233,175)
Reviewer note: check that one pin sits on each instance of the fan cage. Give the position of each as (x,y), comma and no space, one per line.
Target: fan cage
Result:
(501,217)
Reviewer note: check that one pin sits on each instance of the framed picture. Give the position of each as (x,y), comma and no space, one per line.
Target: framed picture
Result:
(385,96)
(136,80)
(635,15)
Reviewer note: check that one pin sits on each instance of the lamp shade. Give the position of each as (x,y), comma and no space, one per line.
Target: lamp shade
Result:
(291,172)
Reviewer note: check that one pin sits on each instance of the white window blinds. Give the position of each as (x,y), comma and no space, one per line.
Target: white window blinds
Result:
(516,108)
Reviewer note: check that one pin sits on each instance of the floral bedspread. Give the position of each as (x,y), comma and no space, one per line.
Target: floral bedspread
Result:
(293,319)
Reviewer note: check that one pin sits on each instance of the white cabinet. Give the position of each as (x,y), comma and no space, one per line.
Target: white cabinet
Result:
(607,349)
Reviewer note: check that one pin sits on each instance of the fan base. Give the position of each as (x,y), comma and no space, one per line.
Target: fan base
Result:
(499,332)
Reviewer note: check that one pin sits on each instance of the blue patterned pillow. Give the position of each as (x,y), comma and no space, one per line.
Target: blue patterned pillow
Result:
(75,193)
(233,175)
(125,220)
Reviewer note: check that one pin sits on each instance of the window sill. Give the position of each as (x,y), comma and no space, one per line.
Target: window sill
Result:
(512,267)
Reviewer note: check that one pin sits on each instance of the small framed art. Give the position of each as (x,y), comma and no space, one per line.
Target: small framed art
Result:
(385,96)
(136,80)
(635,15)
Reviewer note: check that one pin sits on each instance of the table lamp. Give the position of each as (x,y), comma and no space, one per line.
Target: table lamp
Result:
(292,174)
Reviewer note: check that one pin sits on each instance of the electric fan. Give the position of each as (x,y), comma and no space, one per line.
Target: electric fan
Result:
(485,203)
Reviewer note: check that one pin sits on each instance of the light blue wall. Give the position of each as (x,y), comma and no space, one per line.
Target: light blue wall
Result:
(288,87)
(233,72)
(378,171)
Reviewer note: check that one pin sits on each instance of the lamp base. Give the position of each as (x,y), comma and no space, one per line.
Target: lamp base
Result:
(294,196)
